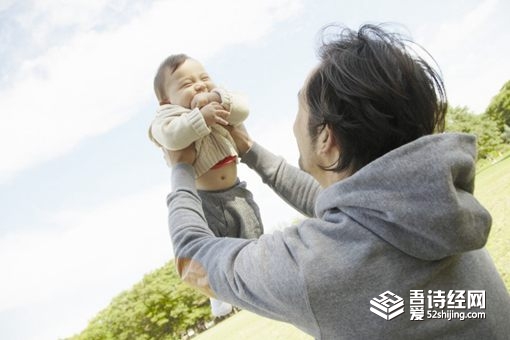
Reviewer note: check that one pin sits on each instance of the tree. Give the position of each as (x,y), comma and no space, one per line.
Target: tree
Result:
(489,140)
(161,306)
(499,108)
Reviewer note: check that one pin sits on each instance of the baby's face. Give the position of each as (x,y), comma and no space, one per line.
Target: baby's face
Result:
(189,79)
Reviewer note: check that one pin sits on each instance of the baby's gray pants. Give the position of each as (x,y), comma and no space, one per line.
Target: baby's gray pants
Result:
(232,212)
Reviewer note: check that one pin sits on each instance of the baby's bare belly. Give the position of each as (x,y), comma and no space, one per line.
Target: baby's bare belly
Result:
(218,179)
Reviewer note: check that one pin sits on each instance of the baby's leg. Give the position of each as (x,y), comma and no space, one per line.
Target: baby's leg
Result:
(220,308)
(213,205)
(231,213)
(242,213)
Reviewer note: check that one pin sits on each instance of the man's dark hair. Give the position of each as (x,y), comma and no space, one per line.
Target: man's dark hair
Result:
(374,93)
(165,70)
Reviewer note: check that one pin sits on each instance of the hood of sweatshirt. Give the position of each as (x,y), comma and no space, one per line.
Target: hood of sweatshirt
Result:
(419,198)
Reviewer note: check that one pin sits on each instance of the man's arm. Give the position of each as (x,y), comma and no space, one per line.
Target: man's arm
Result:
(293,185)
(296,187)
(258,275)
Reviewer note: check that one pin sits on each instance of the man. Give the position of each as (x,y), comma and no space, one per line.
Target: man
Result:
(394,243)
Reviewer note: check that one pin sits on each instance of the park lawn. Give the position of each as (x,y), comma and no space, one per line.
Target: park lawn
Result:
(492,188)
(248,326)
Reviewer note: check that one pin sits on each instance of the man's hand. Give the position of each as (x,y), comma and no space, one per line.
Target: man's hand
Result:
(202,99)
(241,138)
(187,155)
(214,113)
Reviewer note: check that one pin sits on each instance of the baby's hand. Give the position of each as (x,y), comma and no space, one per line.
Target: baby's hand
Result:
(214,113)
(202,99)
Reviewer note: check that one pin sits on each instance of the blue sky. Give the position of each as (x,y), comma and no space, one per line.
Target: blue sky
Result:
(82,190)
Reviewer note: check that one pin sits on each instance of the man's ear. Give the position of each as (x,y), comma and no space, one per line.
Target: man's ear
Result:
(328,148)
(326,140)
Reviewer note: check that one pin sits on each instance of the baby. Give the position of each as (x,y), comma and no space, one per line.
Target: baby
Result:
(193,110)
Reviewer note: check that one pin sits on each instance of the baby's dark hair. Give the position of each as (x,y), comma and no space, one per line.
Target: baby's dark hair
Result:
(375,93)
(165,70)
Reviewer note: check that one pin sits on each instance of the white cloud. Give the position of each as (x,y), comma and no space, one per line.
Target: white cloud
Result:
(460,30)
(5,4)
(87,256)
(473,65)
(100,79)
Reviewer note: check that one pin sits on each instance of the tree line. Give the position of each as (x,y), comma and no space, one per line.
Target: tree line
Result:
(159,307)
(491,127)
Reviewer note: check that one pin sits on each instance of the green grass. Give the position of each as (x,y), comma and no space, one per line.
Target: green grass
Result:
(492,188)
(493,191)
(248,326)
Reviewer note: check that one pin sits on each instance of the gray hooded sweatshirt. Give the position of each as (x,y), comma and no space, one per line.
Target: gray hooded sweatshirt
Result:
(406,223)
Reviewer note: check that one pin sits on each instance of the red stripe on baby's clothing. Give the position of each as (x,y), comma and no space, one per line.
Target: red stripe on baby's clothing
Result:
(224,161)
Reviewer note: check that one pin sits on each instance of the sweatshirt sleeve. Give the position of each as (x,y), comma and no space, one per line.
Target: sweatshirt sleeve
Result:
(236,104)
(293,185)
(175,127)
(258,275)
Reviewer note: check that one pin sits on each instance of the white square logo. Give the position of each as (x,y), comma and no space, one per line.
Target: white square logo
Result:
(388,305)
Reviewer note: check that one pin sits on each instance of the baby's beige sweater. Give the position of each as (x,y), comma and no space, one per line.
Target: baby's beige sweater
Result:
(176,127)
